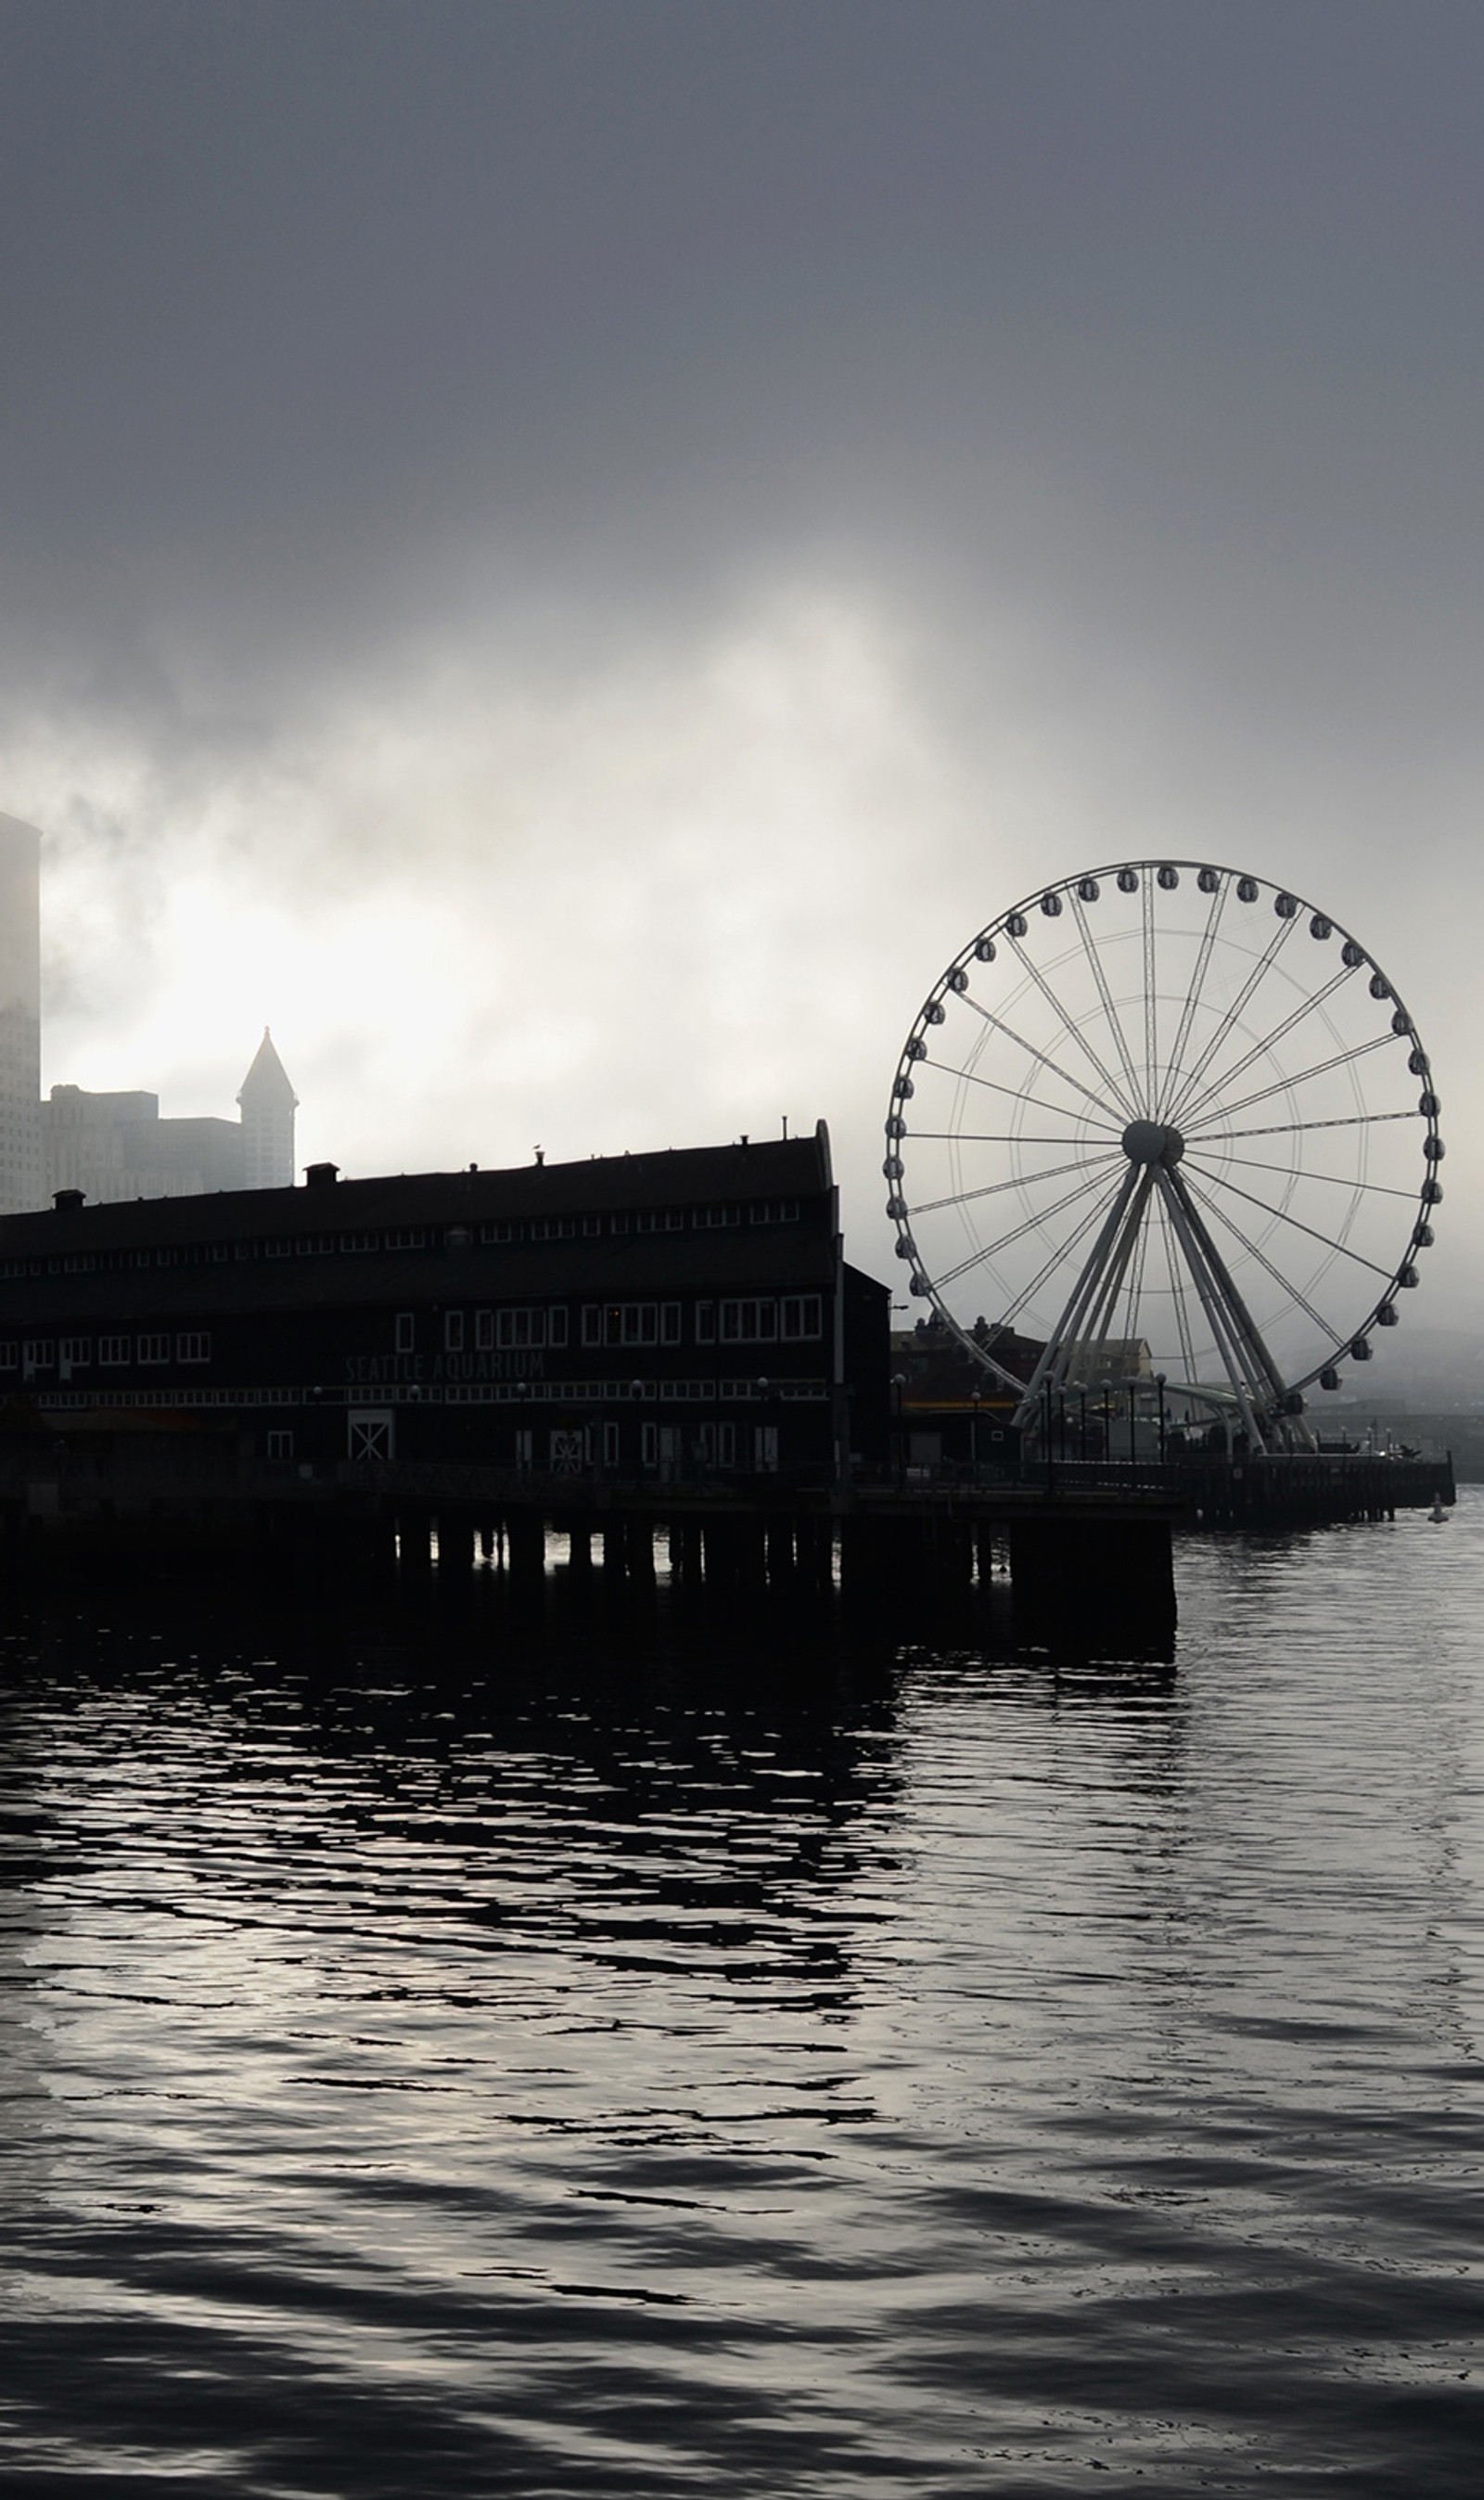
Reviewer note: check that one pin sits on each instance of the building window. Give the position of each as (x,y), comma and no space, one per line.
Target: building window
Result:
(281,1445)
(758,1320)
(357,1242)
(718,1445)
(629,1323)
(406,1332)
(9,1356)
(410,1236)
(525,1448)
(454,1332)
(154,1349)
(39,1354)
(76,1353)
(113,1349)
(713,1219)
(749,1323)
(193,1345)
(611,1445)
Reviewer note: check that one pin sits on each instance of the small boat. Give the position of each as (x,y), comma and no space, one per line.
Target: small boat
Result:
(1438,1515)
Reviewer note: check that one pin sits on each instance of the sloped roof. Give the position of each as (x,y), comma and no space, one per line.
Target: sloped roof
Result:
(267,1079)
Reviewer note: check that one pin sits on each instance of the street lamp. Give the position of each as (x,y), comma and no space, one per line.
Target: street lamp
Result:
(898,1386)
(1159,1382)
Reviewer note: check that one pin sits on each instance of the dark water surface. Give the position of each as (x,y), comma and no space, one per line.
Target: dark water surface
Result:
(650,2071)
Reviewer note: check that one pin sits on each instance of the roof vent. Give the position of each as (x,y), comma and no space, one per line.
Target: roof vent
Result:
(320,1176)
(68,1200)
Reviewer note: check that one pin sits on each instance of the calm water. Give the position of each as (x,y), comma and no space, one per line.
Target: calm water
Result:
(630,2071)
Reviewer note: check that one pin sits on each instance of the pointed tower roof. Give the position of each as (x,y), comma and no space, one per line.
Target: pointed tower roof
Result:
(266,1081)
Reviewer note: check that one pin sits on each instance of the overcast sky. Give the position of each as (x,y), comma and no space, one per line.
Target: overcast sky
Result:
(567,555)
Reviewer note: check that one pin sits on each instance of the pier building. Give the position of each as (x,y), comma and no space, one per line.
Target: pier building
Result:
(655,1316)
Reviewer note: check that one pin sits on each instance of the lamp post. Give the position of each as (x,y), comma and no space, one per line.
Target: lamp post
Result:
(1082,1426)
(1106,1387)
(1159,1382)
(636,1392)
(974,1435)
(1046,1436)
(898,1386)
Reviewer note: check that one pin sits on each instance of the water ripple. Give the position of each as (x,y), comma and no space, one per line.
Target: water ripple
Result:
(599,2073)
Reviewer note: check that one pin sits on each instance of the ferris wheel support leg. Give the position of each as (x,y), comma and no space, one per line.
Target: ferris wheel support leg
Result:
(1249,1386)
(1292,1427)
(1099,1319)
(1066,1331)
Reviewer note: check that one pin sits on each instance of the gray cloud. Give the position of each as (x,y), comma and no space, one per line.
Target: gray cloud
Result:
(436,439)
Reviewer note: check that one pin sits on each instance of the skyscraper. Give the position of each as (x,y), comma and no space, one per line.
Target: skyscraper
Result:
(268,1104)
(21,1172)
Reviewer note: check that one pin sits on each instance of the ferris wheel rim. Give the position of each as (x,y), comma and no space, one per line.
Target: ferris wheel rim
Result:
(1179,1090)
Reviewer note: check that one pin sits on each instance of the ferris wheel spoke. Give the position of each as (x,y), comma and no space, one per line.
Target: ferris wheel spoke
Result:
(1171,1075)
(1017,1094)
(1285,1283)
(1034,1222)
(1254,977)
(1072,1030)
(1063,1075)
(1059,1256)
(1147,892)
(983,1137)
(1292,1128)
(997,1188)
(1281,1215)
(1110,1012)
(1305,1076)
(1285,1172)
(1269,1041)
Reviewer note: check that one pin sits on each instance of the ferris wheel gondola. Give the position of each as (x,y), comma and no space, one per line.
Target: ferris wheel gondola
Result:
(1166,1118)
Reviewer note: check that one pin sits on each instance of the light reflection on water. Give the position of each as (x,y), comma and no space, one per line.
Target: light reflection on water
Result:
(638,2069)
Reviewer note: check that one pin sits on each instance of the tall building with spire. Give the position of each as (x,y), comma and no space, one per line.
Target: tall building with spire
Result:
(268,1104)
(21,1145)
(116,1147)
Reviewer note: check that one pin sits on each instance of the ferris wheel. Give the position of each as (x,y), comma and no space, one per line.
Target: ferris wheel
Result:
(1166,1119)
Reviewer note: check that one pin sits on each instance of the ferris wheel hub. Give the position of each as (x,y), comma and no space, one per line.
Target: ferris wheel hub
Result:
(1146,1141)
